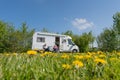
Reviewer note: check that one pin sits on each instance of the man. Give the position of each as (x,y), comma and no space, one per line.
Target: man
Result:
(45,47)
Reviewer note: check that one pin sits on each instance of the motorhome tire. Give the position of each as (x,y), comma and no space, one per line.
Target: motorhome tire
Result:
(74,50)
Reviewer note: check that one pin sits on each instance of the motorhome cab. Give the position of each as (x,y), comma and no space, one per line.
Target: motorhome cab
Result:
(63,42)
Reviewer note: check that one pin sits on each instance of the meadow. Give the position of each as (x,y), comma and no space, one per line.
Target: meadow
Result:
(60,66)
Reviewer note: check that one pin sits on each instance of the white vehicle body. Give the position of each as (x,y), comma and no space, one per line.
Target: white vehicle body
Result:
(63,42)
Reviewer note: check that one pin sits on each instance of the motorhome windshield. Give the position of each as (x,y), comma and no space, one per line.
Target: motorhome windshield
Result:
(70,42)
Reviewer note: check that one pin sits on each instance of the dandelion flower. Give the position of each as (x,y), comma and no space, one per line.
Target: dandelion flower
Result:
(102,56)
(42,55)
(65,56)
(87,56)
(88,53)
(99,52)
(77,64)
(66,66)
(78,56)
(31,52)
(101,61)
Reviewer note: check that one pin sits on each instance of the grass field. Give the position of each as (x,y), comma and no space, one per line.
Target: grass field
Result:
(60,66)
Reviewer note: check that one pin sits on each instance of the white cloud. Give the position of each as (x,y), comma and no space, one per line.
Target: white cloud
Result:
(82,24)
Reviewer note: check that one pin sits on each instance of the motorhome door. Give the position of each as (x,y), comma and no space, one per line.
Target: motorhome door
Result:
(57,41)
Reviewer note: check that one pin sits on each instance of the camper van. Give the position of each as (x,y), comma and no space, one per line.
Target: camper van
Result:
(63,42)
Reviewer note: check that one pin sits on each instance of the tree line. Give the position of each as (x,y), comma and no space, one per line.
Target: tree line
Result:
(15,40)
(20,40)
(109,39)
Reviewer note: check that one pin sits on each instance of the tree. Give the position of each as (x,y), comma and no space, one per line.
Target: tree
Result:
(24,37)
(84,41)
(116,28)
(107,40)
(5,36)
(12,40)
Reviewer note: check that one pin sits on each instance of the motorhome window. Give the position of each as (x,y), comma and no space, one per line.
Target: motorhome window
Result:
(70,42)
(40,39)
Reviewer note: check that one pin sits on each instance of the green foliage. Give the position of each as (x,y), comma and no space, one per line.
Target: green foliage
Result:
(12,40)
(6,30)
(84,41)
(109,39)
(116,24)
(24,38)
(116,28)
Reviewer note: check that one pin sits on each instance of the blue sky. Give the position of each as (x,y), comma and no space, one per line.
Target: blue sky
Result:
(60,15)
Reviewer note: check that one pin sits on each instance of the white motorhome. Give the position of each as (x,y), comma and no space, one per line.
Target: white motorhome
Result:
(63,42)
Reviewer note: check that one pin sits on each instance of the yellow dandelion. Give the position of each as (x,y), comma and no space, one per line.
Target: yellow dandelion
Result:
(47,53)
(66,66)
(101,61)
(95,57)
(102,56)
(78,57)
(77,64)
(87,56)
(89,53)
(32,52)
(65,56)
(93,53)
(42,55)
(99,52)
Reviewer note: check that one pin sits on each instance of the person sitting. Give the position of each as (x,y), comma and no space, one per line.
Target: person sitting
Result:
(55,48)
(45,47)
